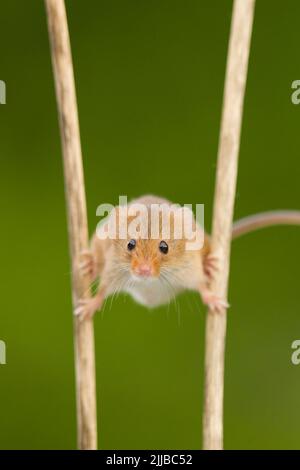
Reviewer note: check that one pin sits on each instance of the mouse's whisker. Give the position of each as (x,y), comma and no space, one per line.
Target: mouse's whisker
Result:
(172,291)
(168,285)
(92,287)
(104,307)
(119,286)
(172,277)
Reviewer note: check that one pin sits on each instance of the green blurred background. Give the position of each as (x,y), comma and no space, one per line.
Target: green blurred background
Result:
(149,81)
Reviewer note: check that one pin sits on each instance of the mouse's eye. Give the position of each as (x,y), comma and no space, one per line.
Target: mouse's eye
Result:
(163,247)
(131,245)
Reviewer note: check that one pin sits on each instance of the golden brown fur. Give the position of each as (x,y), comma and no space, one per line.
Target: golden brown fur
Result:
(171,272)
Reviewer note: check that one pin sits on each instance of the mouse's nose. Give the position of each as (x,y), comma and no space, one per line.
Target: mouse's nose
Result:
(144,270)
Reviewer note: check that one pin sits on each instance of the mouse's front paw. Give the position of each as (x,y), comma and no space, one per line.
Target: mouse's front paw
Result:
(214,302)
(210,265)
(86,308)
(87,264)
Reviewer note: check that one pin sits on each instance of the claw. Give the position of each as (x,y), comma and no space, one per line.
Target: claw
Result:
(214,302)
(85,309)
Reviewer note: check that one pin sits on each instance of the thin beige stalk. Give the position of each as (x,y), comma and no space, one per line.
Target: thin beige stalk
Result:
(77,217)
(236,73)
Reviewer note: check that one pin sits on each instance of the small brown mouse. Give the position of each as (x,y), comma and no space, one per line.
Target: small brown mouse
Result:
(154,270)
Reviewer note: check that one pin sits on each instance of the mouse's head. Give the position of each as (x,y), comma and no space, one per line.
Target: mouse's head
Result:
(148,258)
(148,252)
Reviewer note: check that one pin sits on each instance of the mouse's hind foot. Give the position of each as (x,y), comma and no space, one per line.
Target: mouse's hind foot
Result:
(86,308)
(213,301)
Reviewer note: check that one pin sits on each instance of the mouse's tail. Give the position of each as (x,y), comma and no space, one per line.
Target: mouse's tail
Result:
(264,219)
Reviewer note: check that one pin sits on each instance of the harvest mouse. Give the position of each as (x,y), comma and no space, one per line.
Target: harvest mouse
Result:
(153,270)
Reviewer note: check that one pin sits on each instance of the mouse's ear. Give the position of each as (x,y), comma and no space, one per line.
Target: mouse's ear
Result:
(110,226)
(120,222)
(104,211)
(196,218)
(175,218)
(192,227)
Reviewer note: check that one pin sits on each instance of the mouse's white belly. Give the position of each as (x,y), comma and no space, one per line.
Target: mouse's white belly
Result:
(152,293)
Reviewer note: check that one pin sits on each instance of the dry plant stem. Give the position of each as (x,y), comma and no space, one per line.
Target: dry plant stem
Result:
(77,217)
(236,73)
